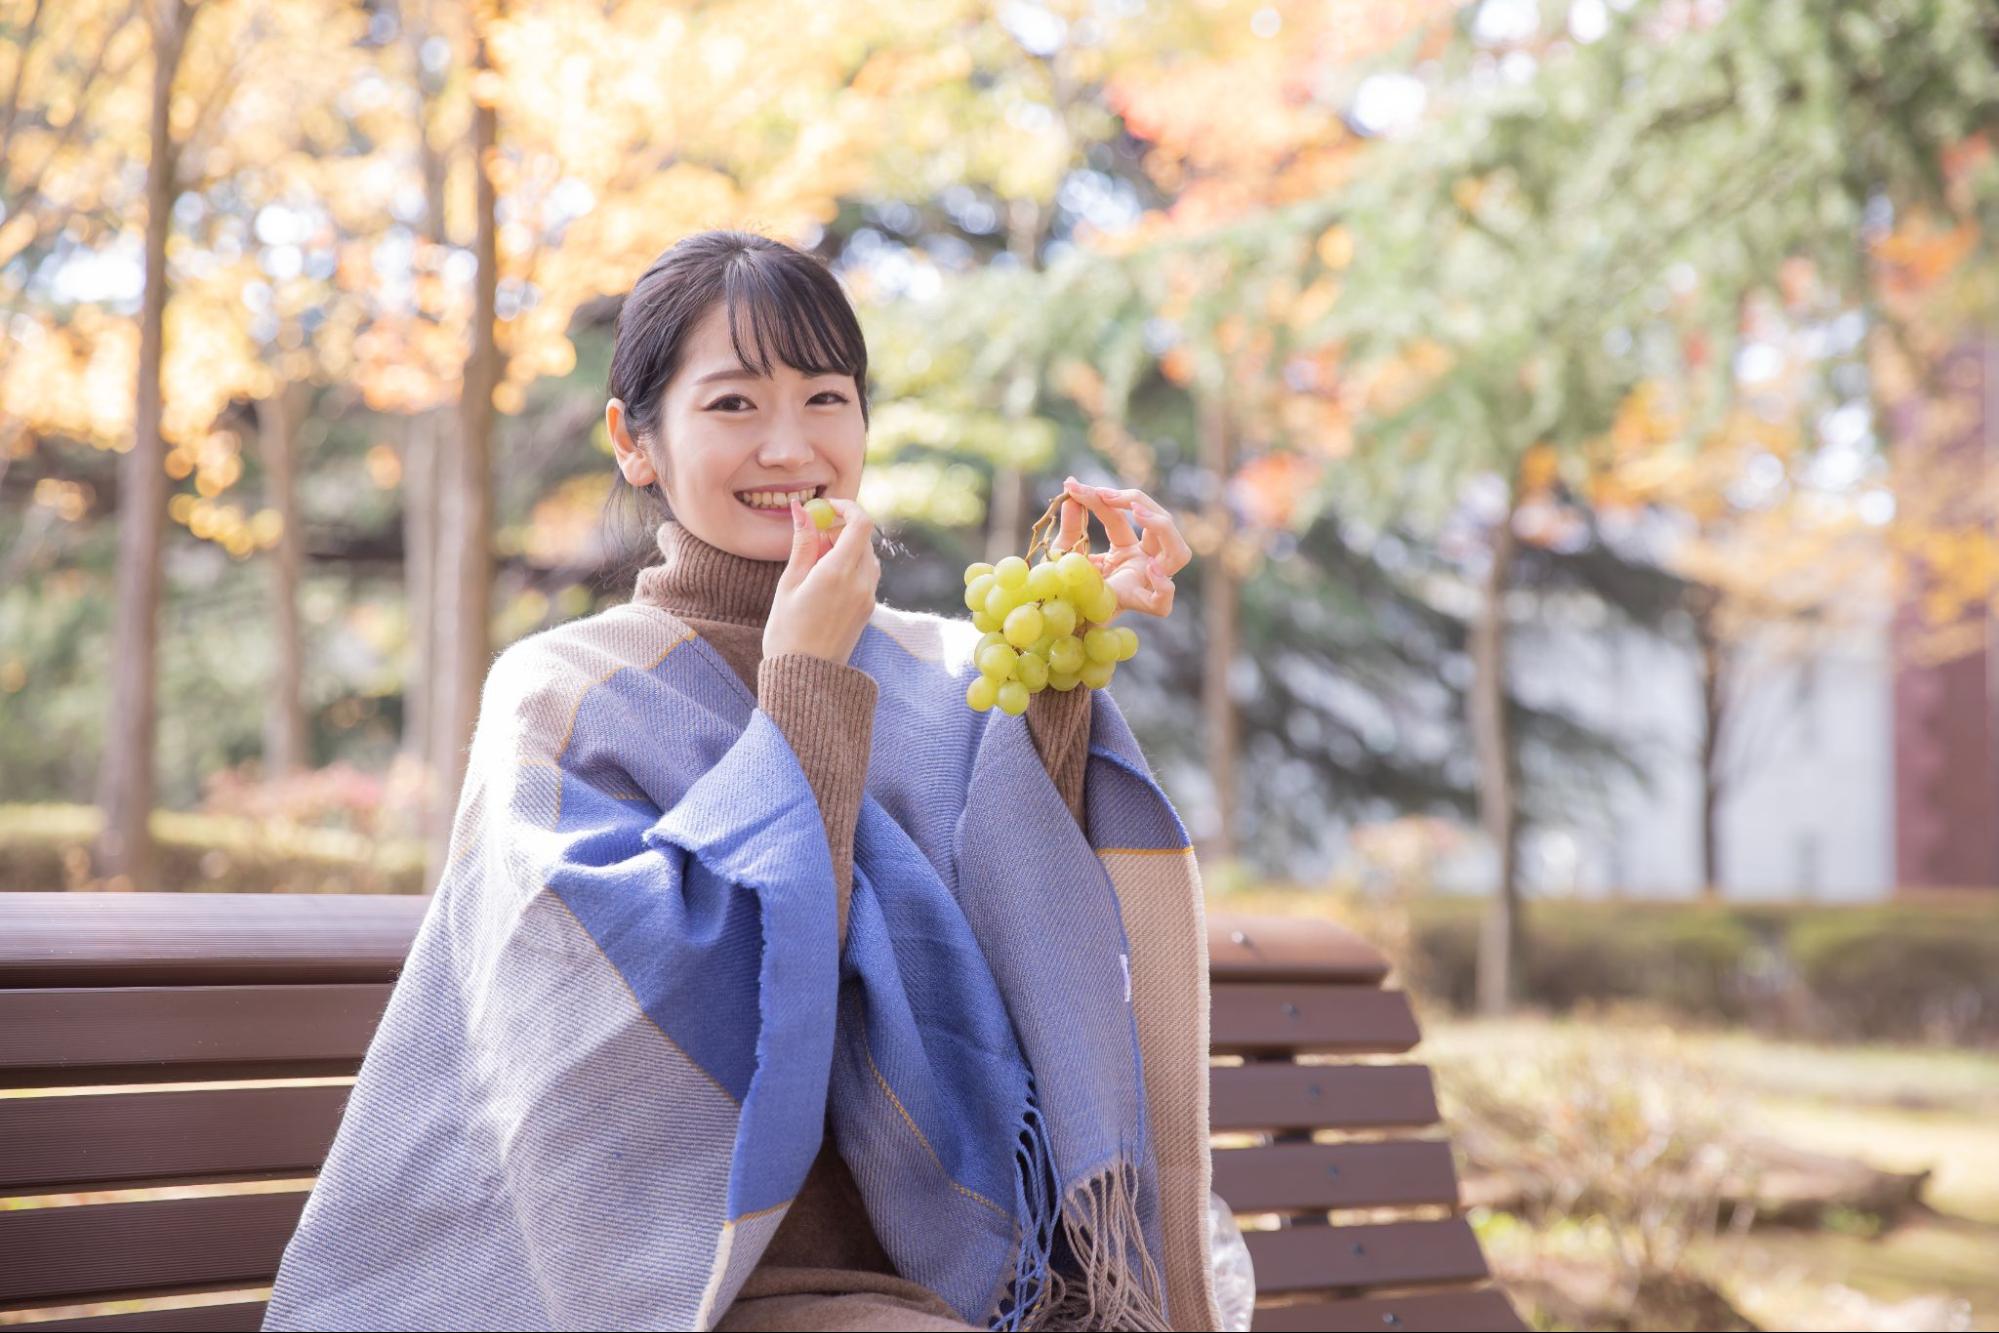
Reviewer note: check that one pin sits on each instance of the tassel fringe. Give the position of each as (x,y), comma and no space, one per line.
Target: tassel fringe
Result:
(1118,1286)
(1115,1285)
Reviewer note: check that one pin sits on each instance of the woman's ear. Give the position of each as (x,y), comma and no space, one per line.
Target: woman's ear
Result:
(633,461)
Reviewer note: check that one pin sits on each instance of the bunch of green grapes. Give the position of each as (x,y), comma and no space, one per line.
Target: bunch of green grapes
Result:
(1044,629)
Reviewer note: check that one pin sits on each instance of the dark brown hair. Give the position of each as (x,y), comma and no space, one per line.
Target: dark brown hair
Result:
(787,301)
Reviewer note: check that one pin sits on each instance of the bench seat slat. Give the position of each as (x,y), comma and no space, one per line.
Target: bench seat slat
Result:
(1316,1258)
(50,1142)
(1287,1096)
(1483,1311)
(1251,1018)
(57,1254)
(76,1028)
(1320,1176)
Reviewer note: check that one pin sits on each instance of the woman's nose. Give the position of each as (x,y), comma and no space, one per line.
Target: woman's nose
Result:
(786,444)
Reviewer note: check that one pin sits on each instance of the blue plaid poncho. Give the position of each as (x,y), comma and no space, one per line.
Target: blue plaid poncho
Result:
(612,1053)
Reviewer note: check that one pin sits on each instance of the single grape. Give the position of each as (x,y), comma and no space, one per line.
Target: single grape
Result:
(986,641)
(1066,654)
(1045,581)
(1101,644)
(982,693)
(1033,673)
(824,516)
(1077,571)
(1012,698)
(978,590)
(1064,681)
(975,571)
(1058,616)
(997,661)
(1023,625)
(1011,572)
(984,623)
(1127,638)
(1096,675)
(1001,601)
(1101,604)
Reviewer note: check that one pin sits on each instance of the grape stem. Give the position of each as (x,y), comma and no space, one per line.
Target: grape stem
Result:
(1041,537)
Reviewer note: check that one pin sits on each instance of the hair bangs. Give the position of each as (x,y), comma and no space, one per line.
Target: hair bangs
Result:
(782,313)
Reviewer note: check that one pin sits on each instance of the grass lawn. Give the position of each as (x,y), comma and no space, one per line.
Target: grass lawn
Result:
(1902,1109)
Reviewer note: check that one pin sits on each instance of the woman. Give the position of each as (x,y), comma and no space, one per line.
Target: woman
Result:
(768,986)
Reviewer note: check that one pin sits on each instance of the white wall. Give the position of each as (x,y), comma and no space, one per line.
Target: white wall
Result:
(1811,814)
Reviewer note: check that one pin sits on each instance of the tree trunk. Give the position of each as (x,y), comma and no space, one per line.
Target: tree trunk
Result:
(125,780)
(1221,591)
(422,440)
(465,511)
(1714,719)
(1007,523)
(1007,517)
(1499,948)
(284,717)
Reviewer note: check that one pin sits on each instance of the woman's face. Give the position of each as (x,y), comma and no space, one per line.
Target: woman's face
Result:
(732,443)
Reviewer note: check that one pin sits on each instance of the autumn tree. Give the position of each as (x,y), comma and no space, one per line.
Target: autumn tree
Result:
(1472,339)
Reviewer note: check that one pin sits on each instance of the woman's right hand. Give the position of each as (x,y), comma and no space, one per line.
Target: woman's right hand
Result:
(826,593)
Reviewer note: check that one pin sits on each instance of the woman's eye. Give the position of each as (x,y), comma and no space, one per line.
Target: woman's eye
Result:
(727,398)
(835,395)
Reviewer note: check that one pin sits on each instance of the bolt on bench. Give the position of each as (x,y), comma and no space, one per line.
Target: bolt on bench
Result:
(173,1067)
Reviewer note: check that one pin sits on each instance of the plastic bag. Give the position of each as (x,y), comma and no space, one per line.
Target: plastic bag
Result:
(1235,1277)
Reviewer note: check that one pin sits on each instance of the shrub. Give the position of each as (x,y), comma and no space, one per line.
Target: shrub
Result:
(1901,972)
(1908,970)
(47,847)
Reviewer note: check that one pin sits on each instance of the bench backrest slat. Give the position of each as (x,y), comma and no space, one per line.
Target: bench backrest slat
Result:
(76,1028)
(56,1143)
(232,1316)
(1485,1309)
(1270,1096)
(1320,1177)
(1313,1258)
(215,939)
(1284,1019)
(121,1247)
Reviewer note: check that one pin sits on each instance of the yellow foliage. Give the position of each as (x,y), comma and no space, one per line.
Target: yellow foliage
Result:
(1080,382)
(1539,466)
(1335,248)
(1271,485)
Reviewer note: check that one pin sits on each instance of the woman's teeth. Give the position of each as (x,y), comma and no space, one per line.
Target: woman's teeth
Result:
(776,499)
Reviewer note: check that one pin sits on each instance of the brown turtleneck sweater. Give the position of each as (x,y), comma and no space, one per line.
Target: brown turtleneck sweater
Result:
(826,711)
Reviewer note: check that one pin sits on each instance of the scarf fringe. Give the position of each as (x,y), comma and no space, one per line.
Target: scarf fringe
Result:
(1117,1285)
(1031,1286)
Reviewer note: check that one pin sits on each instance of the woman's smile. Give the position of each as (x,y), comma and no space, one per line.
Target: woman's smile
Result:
(775,503)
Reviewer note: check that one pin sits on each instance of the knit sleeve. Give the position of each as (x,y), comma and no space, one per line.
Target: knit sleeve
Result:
(1059,721)
(826,711)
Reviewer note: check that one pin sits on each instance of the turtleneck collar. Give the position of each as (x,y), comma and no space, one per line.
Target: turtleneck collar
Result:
(704,582)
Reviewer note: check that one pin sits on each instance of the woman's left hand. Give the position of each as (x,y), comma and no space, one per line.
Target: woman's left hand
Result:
(1139,569)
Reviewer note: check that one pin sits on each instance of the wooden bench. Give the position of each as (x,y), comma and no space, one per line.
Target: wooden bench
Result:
(173,1067)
